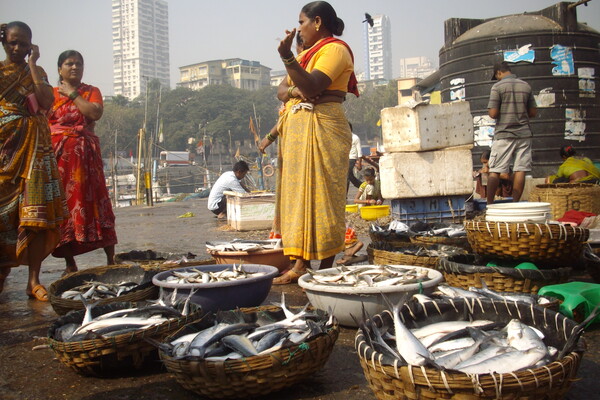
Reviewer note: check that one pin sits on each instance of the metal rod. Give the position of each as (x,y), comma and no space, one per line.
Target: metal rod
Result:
(580,2)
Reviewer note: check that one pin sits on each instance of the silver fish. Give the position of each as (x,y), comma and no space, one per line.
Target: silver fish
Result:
(507,362)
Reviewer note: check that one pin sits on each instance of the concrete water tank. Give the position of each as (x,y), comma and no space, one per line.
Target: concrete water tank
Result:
(558,56)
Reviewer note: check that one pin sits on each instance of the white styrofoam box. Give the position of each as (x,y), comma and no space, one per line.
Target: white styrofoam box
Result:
(428,173)
(427,127)
(249,211)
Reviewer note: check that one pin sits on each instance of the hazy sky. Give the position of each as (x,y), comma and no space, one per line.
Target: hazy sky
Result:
(201,30)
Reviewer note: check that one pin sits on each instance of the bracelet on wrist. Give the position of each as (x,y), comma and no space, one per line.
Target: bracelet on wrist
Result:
(290,91)
(271,138)
(39,82)
(73,95)
(288,59)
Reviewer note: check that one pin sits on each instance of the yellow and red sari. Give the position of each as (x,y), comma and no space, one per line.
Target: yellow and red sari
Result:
(313,160)
(77,150)
(31,194)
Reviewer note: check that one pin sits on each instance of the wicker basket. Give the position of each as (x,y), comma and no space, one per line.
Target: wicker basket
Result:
(252,376)
(394,254)
(408,382)
(556,243)
(568,196)
(117,354)
(463,271)
(461,242)
(109,274)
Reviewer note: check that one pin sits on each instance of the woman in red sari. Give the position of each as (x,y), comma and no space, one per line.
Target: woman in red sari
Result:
(77,106)
(32,201)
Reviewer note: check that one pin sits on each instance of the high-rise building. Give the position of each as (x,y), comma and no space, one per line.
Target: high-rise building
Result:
(378,49)
(140,32)
(416,67)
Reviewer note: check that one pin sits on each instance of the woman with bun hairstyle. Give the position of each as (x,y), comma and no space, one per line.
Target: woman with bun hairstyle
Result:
(32,201)
(316,138)
(574,169)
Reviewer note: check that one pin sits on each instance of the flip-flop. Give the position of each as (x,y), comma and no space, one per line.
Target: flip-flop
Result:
(39,292)
(290,276)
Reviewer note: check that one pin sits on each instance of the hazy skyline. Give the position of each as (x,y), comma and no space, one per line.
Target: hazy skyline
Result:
(202,30)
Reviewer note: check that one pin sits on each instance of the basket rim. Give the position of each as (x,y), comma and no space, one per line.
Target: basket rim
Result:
(449,265)
(372,358)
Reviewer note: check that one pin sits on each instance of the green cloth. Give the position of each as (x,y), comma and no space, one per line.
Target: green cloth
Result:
(574,164)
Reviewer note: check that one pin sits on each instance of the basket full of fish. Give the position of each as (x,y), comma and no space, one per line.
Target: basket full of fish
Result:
(114,338)
(465,271)
(469,348)
(249,352)
(421,254)
(105,285)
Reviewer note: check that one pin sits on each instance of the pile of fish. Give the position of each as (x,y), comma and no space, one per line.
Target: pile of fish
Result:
(473,347)
(122,321)
(243,245)
(438,229)
(485,292)
(98,290)
(194,275)
(229,335)
(369,276)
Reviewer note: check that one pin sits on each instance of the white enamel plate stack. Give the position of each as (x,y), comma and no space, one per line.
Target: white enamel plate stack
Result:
(537,212)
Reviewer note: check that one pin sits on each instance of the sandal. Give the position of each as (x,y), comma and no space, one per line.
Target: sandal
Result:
(39,292)
(290,276)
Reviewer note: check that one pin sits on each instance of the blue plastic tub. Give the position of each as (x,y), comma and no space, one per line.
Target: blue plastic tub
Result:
(430,209)
(229,295)
(481,204)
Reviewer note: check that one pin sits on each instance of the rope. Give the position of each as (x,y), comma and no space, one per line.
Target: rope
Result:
(301,348)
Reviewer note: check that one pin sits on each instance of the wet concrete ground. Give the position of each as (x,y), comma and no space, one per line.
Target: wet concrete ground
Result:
(37,374)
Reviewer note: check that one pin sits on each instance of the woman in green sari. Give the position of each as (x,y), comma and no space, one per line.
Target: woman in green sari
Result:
(32,201)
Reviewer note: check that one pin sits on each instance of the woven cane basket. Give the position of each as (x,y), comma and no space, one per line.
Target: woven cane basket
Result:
(396,257)
(526,241)
(398,381)
(461,242)
(115,355)
(568,196)
(108,274)
(465,271)
(252,376)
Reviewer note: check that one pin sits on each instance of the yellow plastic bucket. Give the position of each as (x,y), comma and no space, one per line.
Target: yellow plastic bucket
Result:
(373,212)
(352,208)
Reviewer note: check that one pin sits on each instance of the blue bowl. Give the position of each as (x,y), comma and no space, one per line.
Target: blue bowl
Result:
(229,295)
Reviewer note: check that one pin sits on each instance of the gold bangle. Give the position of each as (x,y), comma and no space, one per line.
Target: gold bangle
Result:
(290,91)
(39,82)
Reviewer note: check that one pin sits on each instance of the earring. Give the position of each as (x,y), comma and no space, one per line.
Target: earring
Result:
(317,28)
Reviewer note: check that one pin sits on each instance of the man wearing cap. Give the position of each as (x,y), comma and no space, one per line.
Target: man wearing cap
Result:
(511,105)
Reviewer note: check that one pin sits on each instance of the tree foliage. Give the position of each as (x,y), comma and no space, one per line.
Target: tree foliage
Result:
(217,113)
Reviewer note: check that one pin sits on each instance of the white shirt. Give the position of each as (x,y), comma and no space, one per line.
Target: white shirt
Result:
(227,181)
(355,150)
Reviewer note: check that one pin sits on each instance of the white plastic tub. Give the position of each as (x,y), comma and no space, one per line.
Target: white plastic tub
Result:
(348,301)
(538,212)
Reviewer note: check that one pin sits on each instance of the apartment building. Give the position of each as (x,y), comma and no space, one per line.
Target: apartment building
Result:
(378,49)
(239,73)
(140,33)
(416,67)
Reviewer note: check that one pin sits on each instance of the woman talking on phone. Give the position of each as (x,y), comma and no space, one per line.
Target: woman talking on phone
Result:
(32,202)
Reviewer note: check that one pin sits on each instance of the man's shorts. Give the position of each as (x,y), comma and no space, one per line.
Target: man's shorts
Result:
(503,151)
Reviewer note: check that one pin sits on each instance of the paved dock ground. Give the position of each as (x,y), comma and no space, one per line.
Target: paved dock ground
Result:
(37,374)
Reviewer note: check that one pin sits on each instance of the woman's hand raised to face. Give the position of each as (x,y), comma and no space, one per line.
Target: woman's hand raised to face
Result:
(34,55)
(65,88)
(285,46)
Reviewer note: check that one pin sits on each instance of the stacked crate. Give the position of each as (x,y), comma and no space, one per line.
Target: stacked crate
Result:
(427,168)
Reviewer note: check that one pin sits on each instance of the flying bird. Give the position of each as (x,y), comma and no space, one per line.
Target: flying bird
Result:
(369,19)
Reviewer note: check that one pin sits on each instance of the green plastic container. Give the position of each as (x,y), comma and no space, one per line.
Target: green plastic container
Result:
(583,296)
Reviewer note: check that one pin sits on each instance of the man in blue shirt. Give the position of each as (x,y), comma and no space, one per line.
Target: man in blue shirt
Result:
(230,180)
(511,105)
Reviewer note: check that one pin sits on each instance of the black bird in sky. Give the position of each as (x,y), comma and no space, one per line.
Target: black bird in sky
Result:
(369,19)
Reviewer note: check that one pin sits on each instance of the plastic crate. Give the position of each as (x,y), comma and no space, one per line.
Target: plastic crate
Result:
(430,209)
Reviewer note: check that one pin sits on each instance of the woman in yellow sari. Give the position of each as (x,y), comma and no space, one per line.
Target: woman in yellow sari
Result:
(574,169)
(316,138)
(32,201)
